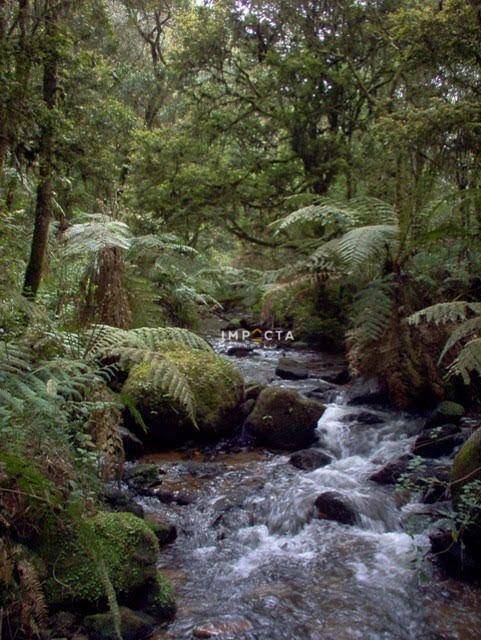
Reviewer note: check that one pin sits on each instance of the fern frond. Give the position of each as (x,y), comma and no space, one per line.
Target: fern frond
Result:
(466,329)
(445,313)
(100,232)
(365,243)
(468,361)
(326,212)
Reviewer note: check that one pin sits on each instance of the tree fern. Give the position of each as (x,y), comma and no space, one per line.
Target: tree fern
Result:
(98,233)
(363,244)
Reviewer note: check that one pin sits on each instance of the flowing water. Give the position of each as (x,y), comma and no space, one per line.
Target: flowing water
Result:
(252,562)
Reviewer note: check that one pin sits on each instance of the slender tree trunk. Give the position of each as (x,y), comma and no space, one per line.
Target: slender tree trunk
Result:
(43,207)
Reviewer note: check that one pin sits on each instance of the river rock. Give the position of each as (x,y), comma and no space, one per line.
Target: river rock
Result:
(222,628)
(142,476)
(253,390)
(283,419)
(445,413)
(215,387)
(239,351)
(364,391)
(337,377)
(461,558)
(438,441)
(392,471)
(134,625)
(363,417)
(247,406)
(309,459)
(331,505)
(291,369)
(118,500)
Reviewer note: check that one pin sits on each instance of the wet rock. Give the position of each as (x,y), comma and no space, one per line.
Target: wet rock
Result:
(436,486)
(309,459)
(392,471)
(253,391)
(460,558)
(118,500)
(445,413)
(364,417)
(338,377)
(291,369)
(239,351)
(134,625)
(283,419)
(438,441)
(322,391)
(168,497)
(366,392)
(165,532)
(222,628)
(142,476)
(331,505)
(133,446)
(247,406)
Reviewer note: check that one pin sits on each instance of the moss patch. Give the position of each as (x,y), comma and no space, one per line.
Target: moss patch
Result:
(119,542)
(216,385)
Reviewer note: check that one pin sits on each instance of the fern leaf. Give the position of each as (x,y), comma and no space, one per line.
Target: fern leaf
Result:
(468,361)
(445,313)
(365,243)
(464,330)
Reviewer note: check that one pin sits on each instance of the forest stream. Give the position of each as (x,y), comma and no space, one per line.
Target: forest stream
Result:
(250,560)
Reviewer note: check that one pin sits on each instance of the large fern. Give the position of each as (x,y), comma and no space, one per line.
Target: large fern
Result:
(467,317)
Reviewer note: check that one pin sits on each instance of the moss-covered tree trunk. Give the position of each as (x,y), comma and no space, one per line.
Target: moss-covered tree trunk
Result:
(43,207)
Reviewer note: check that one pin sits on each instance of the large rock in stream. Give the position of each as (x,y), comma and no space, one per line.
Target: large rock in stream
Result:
(291,369)
(119,545)
(331,505)
(284,419)
(216,388)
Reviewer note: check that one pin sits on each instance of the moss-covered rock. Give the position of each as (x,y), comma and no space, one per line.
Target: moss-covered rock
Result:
(134,625)
(445,412)
(216,386)
(118,545)
(283,419)
(466,465)
(160,601)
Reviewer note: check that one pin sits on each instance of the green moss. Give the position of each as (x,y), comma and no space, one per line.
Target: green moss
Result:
(161,604)
(122,543)
(466,465)
(216,385)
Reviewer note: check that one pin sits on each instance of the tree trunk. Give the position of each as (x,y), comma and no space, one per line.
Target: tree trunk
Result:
(43,207)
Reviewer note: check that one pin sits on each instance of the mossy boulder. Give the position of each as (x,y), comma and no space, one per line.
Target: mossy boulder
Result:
(283,419)
(216,387)
(134,625)
(446,412)
(119,545)
(467,464)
